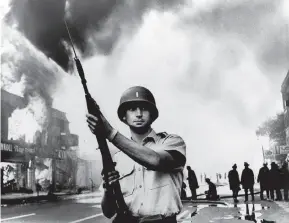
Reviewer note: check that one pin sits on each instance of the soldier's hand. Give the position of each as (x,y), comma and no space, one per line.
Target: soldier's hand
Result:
(96,126)
(110,178)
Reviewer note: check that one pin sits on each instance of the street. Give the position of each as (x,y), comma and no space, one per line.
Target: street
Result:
(87,209)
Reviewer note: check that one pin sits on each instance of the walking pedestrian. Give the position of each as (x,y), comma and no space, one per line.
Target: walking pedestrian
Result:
(149,165)
(247,181)
(193,182)
(263,179)
(234,182)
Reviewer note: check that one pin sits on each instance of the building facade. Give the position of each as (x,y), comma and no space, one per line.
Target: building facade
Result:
(54,143)
(284,150)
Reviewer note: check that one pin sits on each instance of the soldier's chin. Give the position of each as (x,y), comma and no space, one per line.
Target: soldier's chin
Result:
(140,128)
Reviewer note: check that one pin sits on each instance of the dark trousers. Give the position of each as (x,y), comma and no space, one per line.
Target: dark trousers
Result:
(262,189)
(251,189)
(235,193)
(278,194)
(194,193)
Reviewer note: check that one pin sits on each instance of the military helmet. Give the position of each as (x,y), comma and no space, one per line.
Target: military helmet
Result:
(137,94)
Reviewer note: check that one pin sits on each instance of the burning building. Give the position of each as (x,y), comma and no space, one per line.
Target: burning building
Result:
(284,150)
(35,153)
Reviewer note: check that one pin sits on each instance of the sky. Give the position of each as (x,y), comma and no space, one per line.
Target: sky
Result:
(214,67)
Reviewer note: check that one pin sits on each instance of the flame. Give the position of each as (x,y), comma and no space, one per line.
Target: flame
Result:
(24,123)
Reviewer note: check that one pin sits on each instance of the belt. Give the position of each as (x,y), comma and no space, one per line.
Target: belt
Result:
(155,219)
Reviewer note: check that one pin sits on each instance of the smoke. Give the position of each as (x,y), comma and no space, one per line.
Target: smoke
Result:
(215,68)
(258,24)
(95,26)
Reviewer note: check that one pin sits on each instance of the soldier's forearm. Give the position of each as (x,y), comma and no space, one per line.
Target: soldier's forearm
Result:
(141,154)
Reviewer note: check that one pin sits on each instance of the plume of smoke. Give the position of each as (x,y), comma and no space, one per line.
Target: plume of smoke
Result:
(208,75)
(86,19)
(260,25)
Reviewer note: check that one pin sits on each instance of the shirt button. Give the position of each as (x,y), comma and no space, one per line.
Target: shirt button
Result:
(140,186)
(139,169)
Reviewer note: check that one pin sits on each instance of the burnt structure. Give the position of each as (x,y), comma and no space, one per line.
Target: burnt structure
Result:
(54,142)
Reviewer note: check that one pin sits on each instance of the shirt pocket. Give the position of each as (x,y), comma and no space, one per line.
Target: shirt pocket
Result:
(127,180)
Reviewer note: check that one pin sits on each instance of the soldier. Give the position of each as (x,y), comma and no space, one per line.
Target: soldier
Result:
(193,182)
(149,165)
(247,181)
(263,179)
(234,182)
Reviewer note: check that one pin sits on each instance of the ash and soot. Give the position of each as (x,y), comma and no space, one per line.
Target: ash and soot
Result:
(215,67)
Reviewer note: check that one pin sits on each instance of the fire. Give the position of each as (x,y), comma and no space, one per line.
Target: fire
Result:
(24,123)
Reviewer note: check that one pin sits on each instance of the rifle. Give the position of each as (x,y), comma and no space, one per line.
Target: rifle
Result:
(107,162)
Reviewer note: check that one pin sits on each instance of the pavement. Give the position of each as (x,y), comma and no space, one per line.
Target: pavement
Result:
(86,208)
(23,198)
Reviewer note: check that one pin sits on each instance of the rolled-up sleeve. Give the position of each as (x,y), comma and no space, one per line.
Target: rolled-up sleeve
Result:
(174,143)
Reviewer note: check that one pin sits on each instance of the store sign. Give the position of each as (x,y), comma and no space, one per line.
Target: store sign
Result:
(284,149)
(8,147)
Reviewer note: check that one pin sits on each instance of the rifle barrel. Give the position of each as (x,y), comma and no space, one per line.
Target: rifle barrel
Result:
(72,44)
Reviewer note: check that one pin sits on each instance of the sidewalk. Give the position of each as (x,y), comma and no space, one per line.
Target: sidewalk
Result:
(21,198)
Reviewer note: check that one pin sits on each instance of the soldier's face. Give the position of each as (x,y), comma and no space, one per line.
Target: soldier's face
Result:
(138,116)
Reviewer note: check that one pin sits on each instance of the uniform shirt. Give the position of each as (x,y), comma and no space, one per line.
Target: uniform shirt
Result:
(147,192)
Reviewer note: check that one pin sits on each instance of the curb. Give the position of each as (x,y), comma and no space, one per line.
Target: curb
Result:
(33,199)
(48,198)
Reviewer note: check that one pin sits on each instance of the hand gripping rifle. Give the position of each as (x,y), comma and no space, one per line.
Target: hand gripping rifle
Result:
(108,165)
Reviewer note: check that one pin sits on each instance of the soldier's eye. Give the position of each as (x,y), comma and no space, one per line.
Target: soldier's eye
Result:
(132,108)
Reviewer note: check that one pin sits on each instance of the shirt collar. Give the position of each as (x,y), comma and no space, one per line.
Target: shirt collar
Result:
(152,136)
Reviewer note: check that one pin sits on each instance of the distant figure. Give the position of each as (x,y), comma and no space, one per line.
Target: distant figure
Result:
(275,182)
(285,179)
(234,182)
(201,177)
(211,194)
(2,180)
(50,189)
(184,193)
(263,179)
(38,187)
(247,181)
(193,182)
